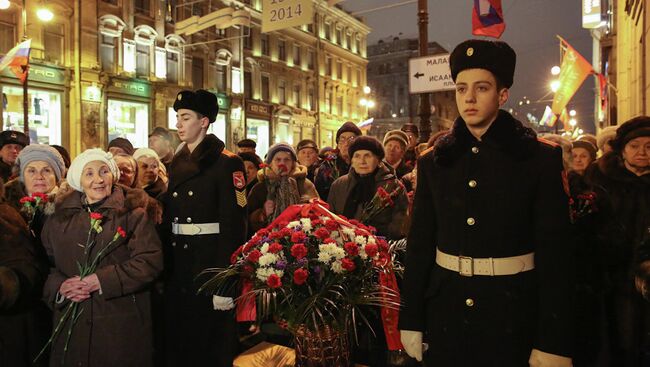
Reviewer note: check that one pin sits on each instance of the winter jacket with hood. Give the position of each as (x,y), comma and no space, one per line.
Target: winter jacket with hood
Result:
(257,197)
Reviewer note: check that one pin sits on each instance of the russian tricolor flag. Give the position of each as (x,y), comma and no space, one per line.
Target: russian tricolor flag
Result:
(487,18)
(17,59)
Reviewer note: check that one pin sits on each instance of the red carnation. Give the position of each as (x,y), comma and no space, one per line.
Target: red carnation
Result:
(248,269)
(298,237)
(300,276)
(372,229)
(121,231)
(351,248)
(262,233)
(382,193)
(96,216)
(26,199)
(282,224)
(274,281)
(285,232)
(299,250)
(41,195)
(348,264)
(383,245)
(322,233)
(332,225)
(275,248)
(254,256)
(371,249)
(316,222)
(275,235)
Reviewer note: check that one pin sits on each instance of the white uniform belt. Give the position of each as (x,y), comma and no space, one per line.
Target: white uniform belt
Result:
(192,229)
(468,266)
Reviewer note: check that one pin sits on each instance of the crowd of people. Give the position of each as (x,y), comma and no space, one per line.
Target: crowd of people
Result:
(126,233)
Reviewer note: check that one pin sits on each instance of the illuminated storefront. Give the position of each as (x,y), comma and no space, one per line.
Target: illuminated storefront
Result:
(258,125)
(46,103)
(128,111)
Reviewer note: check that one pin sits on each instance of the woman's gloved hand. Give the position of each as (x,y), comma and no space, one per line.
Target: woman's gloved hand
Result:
(543,359)
(412,342)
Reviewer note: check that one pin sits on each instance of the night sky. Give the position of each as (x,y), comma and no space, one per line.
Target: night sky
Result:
(531,29)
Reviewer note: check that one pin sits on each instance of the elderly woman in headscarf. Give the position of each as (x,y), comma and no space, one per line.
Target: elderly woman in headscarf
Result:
(128,168)
(281,184)
(40,170)
(110,225)
(360,193)
(149,172)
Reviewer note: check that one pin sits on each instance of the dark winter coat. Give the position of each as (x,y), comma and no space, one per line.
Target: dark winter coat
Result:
(390,221)
(23,269)
(330,168)
(401,169)
(258,195)
(115,326)
(500,196)
(205,186)
(627,314)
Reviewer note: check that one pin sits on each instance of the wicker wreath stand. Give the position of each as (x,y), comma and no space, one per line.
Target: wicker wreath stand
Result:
(326,347)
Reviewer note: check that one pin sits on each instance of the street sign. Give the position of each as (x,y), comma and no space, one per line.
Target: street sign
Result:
(280,14)
(430,74)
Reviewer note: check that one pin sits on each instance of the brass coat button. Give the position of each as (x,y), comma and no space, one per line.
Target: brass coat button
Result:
(472,183)
(469,302)
(189,220)
(475,150)
(190,193)
(471,221)
(175,194)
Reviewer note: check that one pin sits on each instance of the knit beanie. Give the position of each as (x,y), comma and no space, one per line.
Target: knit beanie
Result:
(122,143)
(280,147)
(397,135)
(40,152)
(90,155)
(367,143)
(307,143)
(348,127)
(586,146)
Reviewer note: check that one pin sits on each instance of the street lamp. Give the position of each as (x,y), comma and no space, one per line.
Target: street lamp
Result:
(45,14)
(573,122)
(555,70)
(366,90)
(4,4)
(572,113)
(555,85)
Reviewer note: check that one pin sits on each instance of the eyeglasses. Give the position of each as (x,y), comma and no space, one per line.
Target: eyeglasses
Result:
(347,140)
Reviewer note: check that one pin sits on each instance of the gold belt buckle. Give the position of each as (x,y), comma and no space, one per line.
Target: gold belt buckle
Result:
(465,266)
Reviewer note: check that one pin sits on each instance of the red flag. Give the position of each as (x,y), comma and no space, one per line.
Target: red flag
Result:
(574,71)
(487,18)
(602,91)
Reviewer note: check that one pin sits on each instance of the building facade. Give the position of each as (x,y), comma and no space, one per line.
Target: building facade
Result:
(388,78)
(107,68)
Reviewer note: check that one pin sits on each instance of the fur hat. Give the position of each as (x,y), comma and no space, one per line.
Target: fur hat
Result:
(247,143)
(200,101)
(90,155)
(367,143)
(13,137)
(397,135)
(587,146)
(605,136)
(348,127)
(411,128)
(494,56)
(123,144)
(40,152)
(280,147)
(250,157)
(631,129)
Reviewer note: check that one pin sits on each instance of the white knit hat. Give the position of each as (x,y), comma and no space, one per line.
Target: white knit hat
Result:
(145,152)
(90,155)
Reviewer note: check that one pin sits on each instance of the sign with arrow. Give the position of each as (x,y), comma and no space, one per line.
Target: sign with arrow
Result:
(430,74)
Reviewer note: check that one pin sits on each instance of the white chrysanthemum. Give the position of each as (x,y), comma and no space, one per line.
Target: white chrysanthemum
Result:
(361,240)
(306,224)
(293,224)
(362,253)
(268,259)
(371,239)
(338,253)
(265,248)
(324,257)
(263,273)
(337,267)
(348,232)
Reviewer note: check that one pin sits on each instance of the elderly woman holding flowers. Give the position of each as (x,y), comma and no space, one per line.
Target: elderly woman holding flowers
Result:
(283,182)
(370,192)
(105,254)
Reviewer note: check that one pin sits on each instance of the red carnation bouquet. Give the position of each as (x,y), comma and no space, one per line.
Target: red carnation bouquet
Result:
(311,268)
(383,198)
(32,204)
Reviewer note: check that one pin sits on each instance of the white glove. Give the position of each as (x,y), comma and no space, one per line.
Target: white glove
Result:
(412,342)
(543,359)
(222,303)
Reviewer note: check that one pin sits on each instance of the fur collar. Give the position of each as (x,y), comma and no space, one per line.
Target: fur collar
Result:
(187,165)
(506,133)
(123,199)
(15,190)
(299,173)
(611,166)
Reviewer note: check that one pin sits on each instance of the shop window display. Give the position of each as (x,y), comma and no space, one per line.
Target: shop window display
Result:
(128,120)
(45,114)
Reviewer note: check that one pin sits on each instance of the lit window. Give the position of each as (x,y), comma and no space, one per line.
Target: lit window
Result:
(129,56)
(161,63)
(236,80)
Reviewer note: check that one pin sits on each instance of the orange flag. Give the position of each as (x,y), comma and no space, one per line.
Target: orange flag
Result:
(574,71)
